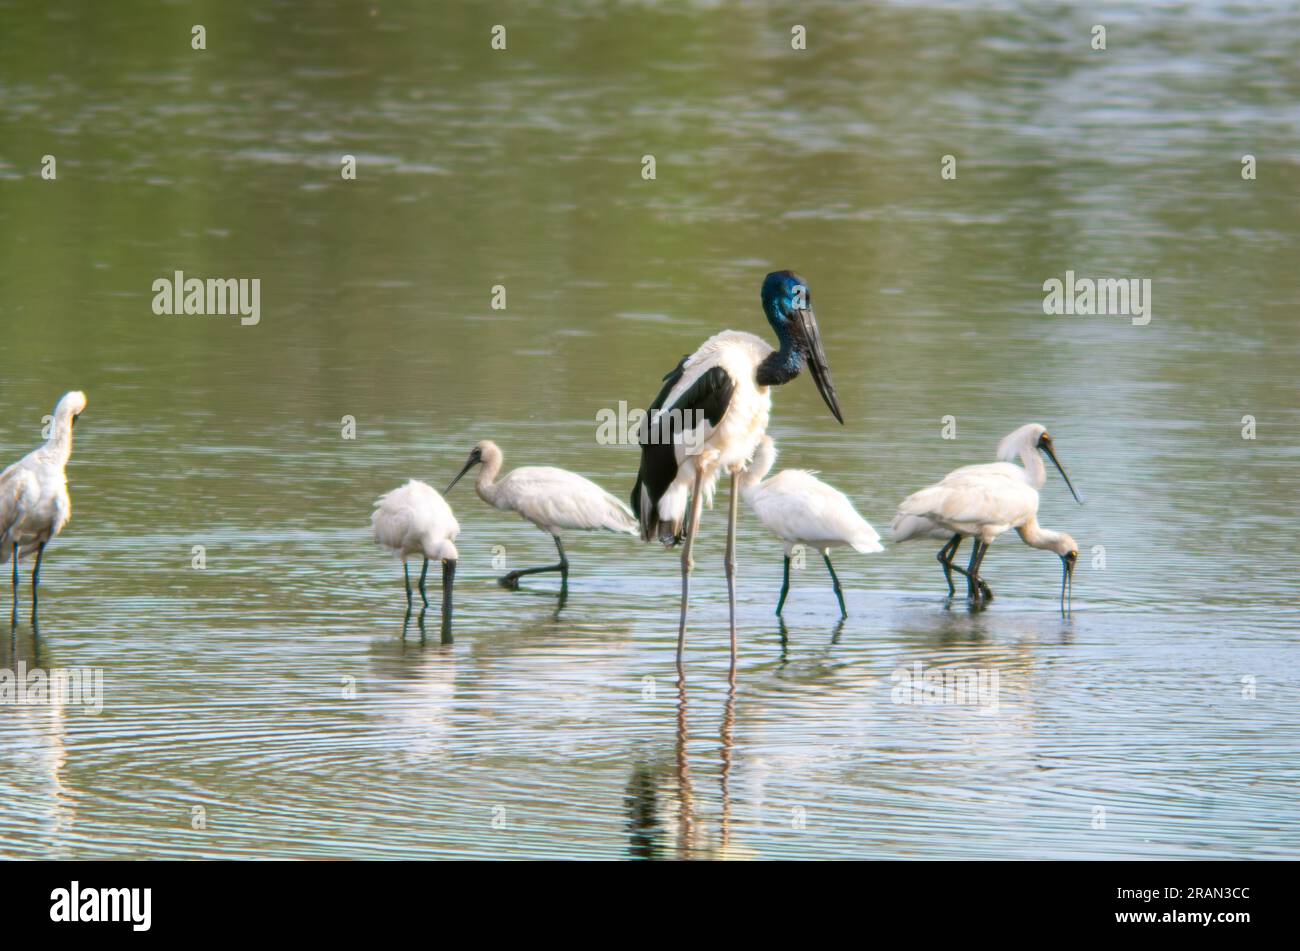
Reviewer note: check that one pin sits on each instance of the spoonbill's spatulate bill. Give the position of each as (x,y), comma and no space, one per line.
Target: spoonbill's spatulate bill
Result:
(708,418)
(802,510)
(983,501)
(416,520)
(34,501)
(555,500)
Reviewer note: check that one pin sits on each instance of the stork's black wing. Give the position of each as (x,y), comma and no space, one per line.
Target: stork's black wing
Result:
(709,396)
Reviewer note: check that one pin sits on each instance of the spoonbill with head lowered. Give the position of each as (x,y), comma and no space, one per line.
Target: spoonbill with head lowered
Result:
(416,520)
(34,501)
(800,509)
(983,501)
(709,417)
(555,500)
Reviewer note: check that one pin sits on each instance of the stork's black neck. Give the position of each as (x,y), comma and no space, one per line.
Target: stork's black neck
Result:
(780,366)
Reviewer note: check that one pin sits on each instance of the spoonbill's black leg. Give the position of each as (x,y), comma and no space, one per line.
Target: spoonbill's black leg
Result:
(945,556)
(406,574)
(970,568)
(949,567)
(448,578)
(511,580)
(973,579)
(835,581)
(785,587)
(36,576)
(424,571)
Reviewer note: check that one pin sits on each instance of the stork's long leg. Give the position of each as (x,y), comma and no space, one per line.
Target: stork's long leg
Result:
(835,582)
(14,553)
(424,571)
(511,580)
(730,563)
(36,577)
(785,587)
(697,501)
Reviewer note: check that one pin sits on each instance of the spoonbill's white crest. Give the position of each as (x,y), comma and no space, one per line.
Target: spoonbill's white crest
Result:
(34,502)
(800,509)
(554,500)
(416,520)
(708,418)
(982,502)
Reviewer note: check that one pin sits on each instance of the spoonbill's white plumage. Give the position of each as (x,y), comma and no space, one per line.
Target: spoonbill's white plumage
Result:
(555,500)
(34,501)
(709,417)
(983,501)
(800,509)
(416,520)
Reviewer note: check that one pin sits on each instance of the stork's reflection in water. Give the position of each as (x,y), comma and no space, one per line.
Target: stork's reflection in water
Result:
(665,817)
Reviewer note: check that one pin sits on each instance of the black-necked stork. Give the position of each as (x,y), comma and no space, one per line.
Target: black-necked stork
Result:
(982,502)
(709,417)
(553,499)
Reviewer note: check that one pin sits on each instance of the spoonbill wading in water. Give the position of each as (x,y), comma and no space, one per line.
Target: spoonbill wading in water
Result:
(553,499)
(984,501)
(801,509)
(416,520)
(709,417)
(34,502)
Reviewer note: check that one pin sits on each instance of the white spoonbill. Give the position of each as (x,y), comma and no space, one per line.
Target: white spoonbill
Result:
(800,509)
(708,418)
(983,501)
(908,527)
(555,500)
(416,520)
(34,501)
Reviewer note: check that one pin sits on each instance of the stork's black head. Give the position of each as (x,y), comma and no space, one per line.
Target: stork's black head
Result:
(787,301)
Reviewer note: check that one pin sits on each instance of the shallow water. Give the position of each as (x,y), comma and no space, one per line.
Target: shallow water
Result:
(279,688)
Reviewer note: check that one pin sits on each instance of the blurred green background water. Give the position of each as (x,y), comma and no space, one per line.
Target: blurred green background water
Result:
(225,688)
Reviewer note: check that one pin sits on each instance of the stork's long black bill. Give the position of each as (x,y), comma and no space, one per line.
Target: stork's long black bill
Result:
(811,341)
(1046,447)
(470,465)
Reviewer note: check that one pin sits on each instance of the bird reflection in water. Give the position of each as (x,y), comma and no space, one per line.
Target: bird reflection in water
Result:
(784,633)
(444,627)
(657,830)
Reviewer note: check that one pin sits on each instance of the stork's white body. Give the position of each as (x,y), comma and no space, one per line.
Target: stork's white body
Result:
(34,500)
(800,509)
(415,520)
(730,445)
